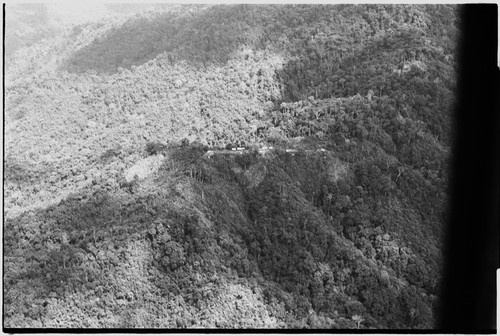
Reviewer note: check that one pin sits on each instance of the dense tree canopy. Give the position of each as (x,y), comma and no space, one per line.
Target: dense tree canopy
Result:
(116,214)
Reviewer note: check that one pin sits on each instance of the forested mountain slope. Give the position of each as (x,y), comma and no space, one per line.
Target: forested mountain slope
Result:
(115,216)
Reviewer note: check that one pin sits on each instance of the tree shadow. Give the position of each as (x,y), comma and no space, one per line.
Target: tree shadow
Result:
(209,36)
(24,173)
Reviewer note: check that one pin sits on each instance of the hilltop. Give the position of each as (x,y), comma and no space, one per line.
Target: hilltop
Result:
(115,216)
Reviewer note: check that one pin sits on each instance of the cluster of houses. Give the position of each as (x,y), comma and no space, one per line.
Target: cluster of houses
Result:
(239,149)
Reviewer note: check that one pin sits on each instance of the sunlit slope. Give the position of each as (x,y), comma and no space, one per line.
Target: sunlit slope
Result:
(69,127)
